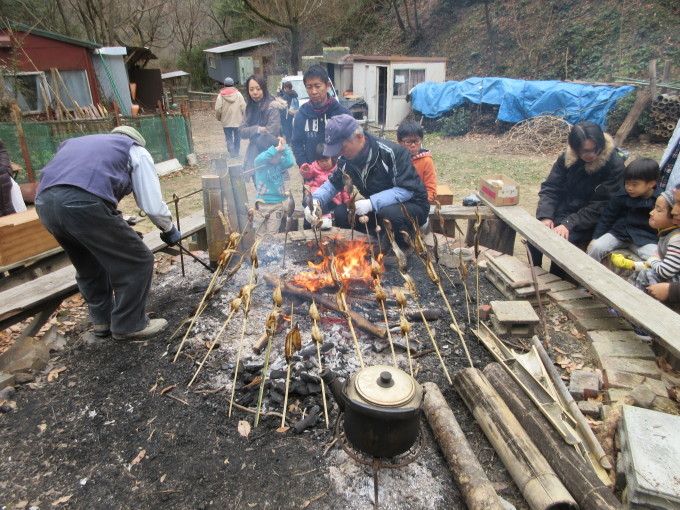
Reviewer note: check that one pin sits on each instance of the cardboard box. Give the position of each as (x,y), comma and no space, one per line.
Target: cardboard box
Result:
(444,194)
(22,236)
(499,189)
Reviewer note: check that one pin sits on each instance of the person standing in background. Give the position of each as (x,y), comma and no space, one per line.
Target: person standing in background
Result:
(11,200)
(229,109)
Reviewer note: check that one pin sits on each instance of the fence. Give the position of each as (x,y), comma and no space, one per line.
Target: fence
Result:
(196,100)
(43,138)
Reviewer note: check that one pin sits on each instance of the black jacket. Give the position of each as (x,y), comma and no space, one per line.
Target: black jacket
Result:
(309,130)
(575,192)
(627,219)
(389,166)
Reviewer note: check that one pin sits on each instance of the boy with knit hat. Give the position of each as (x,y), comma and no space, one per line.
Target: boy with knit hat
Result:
(664,266)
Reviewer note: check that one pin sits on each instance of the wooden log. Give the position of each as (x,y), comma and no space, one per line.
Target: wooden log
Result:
(471,479)
(652,77)
(641,101)
(578,477)
(532,474)
(23,236)
(358,320)
(495,234)
(116,112)
(238,188)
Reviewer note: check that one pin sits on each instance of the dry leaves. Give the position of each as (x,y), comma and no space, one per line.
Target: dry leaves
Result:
(63,499)
(138,458)
(54,374)
(243,428)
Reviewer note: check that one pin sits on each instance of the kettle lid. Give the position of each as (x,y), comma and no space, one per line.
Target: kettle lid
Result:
(385,386)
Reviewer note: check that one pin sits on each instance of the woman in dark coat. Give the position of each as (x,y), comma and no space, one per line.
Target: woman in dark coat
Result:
(580,184)
(261,116)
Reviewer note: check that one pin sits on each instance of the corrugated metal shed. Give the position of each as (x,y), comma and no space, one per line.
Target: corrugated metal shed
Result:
(173,74)
(241,45)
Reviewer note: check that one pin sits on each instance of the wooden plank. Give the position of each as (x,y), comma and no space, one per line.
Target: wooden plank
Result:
(641,309)
(22,236)
(18,301)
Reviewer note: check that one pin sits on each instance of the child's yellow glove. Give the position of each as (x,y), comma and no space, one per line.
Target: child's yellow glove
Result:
(618,260)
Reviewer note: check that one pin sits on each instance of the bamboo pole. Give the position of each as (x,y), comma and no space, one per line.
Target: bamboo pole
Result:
(472,481)
(22,141)
(578,477)
(212,204)
(165,129)
(532,474)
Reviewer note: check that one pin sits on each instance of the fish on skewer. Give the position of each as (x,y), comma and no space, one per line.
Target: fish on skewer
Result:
(352,211)
(289,210)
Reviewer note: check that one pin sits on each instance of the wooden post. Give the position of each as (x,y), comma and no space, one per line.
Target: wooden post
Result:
(529,469)
(186,113)
(475,487)
(219,166)
(495,234)
(212,204)
(652,77)
(22,141)
(238,187)
(666,75)
(578,477)
(641,101)
(116,112)
(165,128)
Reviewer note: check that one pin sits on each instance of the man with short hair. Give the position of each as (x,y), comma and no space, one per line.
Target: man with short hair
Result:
(381,171)
(229,108)
(309,124)
(76,202)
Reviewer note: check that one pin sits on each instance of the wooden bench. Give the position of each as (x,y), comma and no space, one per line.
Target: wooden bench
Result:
(39,298)
(635,305)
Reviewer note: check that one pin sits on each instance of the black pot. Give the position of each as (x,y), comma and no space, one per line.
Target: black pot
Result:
(382,409)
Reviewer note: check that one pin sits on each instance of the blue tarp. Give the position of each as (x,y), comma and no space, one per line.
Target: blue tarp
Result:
(520,99)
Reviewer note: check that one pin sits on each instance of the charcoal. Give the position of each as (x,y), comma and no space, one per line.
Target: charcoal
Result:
(314,389)
(253,367)
(277,374)
(309,378)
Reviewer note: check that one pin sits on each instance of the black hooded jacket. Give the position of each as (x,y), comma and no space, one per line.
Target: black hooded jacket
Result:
(309,130)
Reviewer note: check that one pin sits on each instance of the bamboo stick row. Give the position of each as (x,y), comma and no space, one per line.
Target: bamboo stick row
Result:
(665,114)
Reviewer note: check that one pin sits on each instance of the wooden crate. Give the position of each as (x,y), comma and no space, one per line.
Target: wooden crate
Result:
(22,236)
(444,194)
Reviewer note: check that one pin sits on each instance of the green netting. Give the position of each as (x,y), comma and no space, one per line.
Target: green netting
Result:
(43,138)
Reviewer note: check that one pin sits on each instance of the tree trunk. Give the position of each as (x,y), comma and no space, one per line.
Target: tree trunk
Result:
(475,487)
(489,31)
(400,22)
(295,49)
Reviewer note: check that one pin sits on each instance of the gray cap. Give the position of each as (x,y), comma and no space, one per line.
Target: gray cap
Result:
(338,129)
(131,132)
(229,82)
(669,195)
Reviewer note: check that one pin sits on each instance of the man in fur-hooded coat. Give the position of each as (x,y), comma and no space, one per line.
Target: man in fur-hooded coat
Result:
(576,192)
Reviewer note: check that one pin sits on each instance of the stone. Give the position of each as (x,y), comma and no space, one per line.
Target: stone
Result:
(647,368)
(169,166)
(6,380)
(584,384)
(565,306)
(623,349)
(643,396)
(658,387)
(25,354)
(23,378)
(615,395)
(590,408)
(590,313)
(651,458)
(665,405)
(7,393)
(602,324)
(618,379)
(570,295)
(608,336)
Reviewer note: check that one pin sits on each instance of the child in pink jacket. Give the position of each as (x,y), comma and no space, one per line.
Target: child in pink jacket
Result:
(316,174)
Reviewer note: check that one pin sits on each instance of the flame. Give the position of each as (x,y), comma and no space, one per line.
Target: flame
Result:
(352,262)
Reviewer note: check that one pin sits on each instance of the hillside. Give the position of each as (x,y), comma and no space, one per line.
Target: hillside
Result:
(530,39)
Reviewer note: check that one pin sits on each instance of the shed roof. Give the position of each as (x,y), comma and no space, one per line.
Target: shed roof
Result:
(241,45)
(20,27)
(173,74)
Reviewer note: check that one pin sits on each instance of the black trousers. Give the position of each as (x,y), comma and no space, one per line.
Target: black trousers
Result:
(579,239)
(233,141)
(393,213)
(113,265)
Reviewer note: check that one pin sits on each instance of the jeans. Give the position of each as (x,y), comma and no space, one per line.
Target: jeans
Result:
(113,265)
(607,243)
(233,141)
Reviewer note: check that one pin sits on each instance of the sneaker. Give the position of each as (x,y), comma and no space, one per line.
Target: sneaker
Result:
(154,327)
(326,223)
(102,330)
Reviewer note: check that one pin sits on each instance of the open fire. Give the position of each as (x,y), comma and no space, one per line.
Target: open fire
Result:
(352,262)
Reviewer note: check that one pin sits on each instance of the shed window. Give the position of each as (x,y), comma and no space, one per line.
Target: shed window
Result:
(406,79)
(211,61)
(26,88)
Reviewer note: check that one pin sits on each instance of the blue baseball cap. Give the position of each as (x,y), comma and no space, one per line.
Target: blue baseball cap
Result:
(338,129)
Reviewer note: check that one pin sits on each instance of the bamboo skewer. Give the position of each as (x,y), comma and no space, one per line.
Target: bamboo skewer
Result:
(293,343)
(235,305)
(381,297)
(317,338)
(271,324)
(344,309)
(290,209)
(405,327)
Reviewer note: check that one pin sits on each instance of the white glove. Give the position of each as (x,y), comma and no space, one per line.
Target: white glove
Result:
(309,213)
(363,207)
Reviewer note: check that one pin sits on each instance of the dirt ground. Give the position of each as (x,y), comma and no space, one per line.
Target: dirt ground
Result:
(114,425)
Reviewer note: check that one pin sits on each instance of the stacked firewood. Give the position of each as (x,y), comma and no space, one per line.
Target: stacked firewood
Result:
(665,114)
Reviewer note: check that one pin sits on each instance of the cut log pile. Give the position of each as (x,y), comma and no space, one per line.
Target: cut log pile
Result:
(665,114)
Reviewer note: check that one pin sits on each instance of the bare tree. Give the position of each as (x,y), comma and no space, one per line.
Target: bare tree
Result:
(291,15)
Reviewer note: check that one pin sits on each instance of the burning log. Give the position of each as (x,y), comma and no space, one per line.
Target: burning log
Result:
(581,481)
(475,487)
(361,322)
(533,475)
